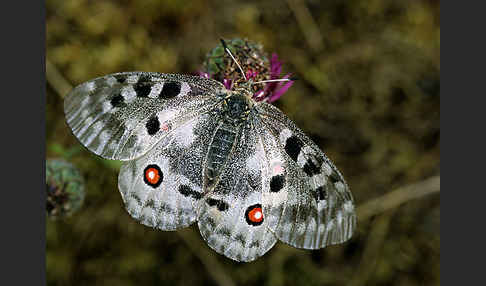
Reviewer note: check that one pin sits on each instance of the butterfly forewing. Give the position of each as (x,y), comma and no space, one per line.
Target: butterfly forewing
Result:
(119,116)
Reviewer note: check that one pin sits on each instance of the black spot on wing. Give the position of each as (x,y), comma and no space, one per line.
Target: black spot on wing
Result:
(120,78)
(310,168)
(188,192)
(321,194)
(335,177)
(221,205)
(142,89)
(117,100)
(293,146)
(277,183)
(170,90)
(153,125)
(143,86)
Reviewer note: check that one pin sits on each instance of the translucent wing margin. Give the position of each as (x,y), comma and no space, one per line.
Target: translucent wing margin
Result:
(307,198)
(120,116)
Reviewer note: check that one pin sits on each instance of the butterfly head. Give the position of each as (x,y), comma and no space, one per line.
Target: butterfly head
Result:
(243,64)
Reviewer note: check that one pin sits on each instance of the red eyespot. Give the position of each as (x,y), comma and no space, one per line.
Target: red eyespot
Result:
(254,215)
(153,176)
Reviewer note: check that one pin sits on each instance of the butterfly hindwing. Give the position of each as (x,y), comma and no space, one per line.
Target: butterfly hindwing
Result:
(119,116)
(313,206)
(162,188)
(231,219)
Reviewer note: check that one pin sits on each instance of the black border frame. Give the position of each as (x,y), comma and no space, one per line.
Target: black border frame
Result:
(24,101)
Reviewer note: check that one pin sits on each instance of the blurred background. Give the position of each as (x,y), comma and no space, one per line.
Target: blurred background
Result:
(368,95)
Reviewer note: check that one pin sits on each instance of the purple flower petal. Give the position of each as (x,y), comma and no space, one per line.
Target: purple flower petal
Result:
(251,74)
(228,83)
(204,74)
(259,95)
(282,88)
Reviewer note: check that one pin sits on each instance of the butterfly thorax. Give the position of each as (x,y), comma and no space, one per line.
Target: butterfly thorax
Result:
(236,107)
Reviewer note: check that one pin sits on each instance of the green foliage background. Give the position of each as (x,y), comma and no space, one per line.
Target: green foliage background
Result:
(368,94)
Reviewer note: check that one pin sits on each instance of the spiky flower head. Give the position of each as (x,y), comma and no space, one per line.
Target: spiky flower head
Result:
(255,64)
(65,188)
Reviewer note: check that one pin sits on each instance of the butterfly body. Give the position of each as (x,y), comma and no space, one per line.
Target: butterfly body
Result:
(197,152)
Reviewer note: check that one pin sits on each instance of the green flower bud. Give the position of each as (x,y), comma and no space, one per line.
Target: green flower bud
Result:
(65,188)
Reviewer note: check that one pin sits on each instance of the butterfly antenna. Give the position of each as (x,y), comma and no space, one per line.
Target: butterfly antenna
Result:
(231,55)
(277,80)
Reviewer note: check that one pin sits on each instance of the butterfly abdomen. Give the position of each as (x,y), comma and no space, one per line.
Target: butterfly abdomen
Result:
(219,151)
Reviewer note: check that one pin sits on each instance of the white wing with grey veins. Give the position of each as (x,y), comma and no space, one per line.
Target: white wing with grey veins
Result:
(307,199)
(118,116)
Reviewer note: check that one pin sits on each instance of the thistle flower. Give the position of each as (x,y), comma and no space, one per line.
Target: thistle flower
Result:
(64,187)
(254,62)
(274,90)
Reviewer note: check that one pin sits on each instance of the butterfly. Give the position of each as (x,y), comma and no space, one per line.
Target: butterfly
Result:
(194,151)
